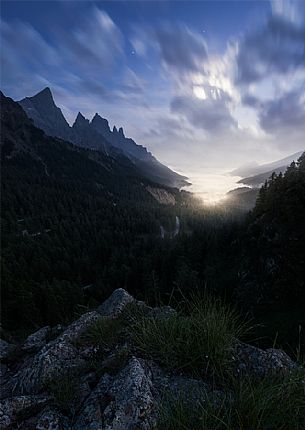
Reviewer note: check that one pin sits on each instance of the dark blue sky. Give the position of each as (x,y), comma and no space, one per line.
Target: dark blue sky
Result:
(222,18)
(203,84)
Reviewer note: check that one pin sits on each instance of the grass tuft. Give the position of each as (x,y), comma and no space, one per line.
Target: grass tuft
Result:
(199,342)
(63,389)
(274,403)
(106,333)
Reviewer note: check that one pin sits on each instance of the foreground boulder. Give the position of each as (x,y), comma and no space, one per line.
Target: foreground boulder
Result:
(61,355)
(60,382)
(122,402)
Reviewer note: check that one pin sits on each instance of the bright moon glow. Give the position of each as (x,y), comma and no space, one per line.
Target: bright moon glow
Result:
(199,92)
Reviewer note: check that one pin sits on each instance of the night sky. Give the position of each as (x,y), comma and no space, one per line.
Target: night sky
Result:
(205,85)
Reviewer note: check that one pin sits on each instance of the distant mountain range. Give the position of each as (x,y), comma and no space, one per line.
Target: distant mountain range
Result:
(245,197)
(96,134)
(252,170)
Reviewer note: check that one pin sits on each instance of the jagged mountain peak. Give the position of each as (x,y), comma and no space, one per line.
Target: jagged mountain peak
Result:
(97,117)
(41,108)
(98,121)
(46,92)
(81,121)
(43,97)
(121,131)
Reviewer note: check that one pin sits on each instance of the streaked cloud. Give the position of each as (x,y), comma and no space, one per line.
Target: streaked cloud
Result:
(180,48)
(188,95)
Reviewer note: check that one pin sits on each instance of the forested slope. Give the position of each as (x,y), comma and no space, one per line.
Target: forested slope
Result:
(70,217)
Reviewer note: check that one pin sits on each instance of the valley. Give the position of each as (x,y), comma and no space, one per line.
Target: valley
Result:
(152,215)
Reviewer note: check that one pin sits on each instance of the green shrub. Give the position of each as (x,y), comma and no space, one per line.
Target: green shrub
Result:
(199,342)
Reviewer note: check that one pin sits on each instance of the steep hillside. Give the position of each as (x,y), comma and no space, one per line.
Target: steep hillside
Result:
(274,252)
(69,217)
(242,198)
(97,135)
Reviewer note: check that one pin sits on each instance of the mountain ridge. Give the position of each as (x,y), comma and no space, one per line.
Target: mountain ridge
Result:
(96,134)
(250,170)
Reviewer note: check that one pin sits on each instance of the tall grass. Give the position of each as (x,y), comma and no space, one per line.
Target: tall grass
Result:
(275,403)
(105,332)
(199,341)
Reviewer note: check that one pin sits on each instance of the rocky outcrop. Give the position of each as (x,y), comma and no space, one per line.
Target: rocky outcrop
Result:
(40,338)
(55,359)
(63,380)
(116,303)
(126,401)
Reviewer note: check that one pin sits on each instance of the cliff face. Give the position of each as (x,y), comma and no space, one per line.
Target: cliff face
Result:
(95,373)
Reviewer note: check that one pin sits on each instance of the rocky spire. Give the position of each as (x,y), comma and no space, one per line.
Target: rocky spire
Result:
(100,124)
(46,94)
(80,121)
(46,115)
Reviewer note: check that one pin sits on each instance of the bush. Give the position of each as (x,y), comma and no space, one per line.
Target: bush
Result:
(199,342)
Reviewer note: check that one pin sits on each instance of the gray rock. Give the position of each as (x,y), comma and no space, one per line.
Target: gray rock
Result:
(114,305)
(58,357)
(78,327)
(279,360)
(37,340)
(3,370)
(170,387)
(125,402)
(55,359)
(19,408)
(162,312)
(5,349)
(52,419)
(257,362)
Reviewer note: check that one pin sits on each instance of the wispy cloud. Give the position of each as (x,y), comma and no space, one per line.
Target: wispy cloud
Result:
(172,91)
